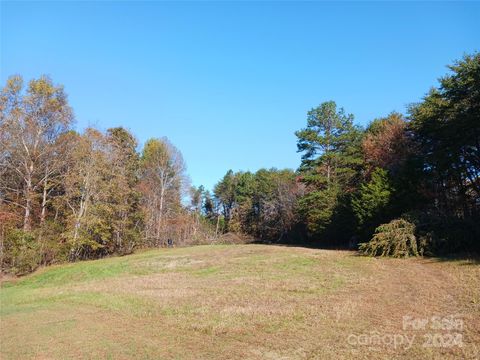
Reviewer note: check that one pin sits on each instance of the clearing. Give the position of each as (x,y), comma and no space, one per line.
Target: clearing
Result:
(243,302)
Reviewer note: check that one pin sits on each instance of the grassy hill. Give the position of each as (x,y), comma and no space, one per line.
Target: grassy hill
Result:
(238,302)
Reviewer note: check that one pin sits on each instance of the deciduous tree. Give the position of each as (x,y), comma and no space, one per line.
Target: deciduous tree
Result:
(31,123)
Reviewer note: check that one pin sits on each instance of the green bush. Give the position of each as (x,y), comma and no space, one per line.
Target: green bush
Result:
(53,246)
(395,239)
(21,252)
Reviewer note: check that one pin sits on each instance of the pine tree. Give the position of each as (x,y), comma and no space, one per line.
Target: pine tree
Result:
(331,161)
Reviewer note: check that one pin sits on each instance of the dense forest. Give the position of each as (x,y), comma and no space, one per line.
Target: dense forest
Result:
(406,185)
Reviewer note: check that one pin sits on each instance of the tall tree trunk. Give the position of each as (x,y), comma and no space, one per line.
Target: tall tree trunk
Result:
(216,227)
(160,215)
(28,205)
(44,203)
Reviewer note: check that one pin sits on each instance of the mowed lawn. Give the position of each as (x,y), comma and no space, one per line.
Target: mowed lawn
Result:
(239,302)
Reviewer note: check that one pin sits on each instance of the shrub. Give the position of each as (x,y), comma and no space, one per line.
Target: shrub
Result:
(21,252)
(395,239)
(53,247)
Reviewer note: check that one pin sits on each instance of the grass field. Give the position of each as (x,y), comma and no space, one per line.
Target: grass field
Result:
(241,302)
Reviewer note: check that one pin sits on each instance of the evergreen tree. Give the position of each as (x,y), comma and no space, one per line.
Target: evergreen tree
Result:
(331,162)
(370,203)
(446,128)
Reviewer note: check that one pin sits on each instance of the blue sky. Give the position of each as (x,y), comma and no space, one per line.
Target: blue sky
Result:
(229,82)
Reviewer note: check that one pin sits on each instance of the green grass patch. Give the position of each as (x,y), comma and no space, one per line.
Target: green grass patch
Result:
(220,302)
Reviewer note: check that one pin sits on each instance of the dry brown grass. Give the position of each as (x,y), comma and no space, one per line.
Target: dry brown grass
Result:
(236,302)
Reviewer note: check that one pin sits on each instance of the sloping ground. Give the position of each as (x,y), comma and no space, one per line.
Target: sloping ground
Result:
(243,302)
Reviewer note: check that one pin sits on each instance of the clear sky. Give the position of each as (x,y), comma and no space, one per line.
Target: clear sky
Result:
(229,82)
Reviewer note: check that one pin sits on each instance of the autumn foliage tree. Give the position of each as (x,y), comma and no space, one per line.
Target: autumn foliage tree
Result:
(66,195)
(162,181)
(32,121)
(386,143)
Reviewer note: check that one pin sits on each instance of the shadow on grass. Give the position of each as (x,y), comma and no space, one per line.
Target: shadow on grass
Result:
(463,259)
(304,244)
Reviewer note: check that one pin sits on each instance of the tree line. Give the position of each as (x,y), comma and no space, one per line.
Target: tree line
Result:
(403,185)
(66,195)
